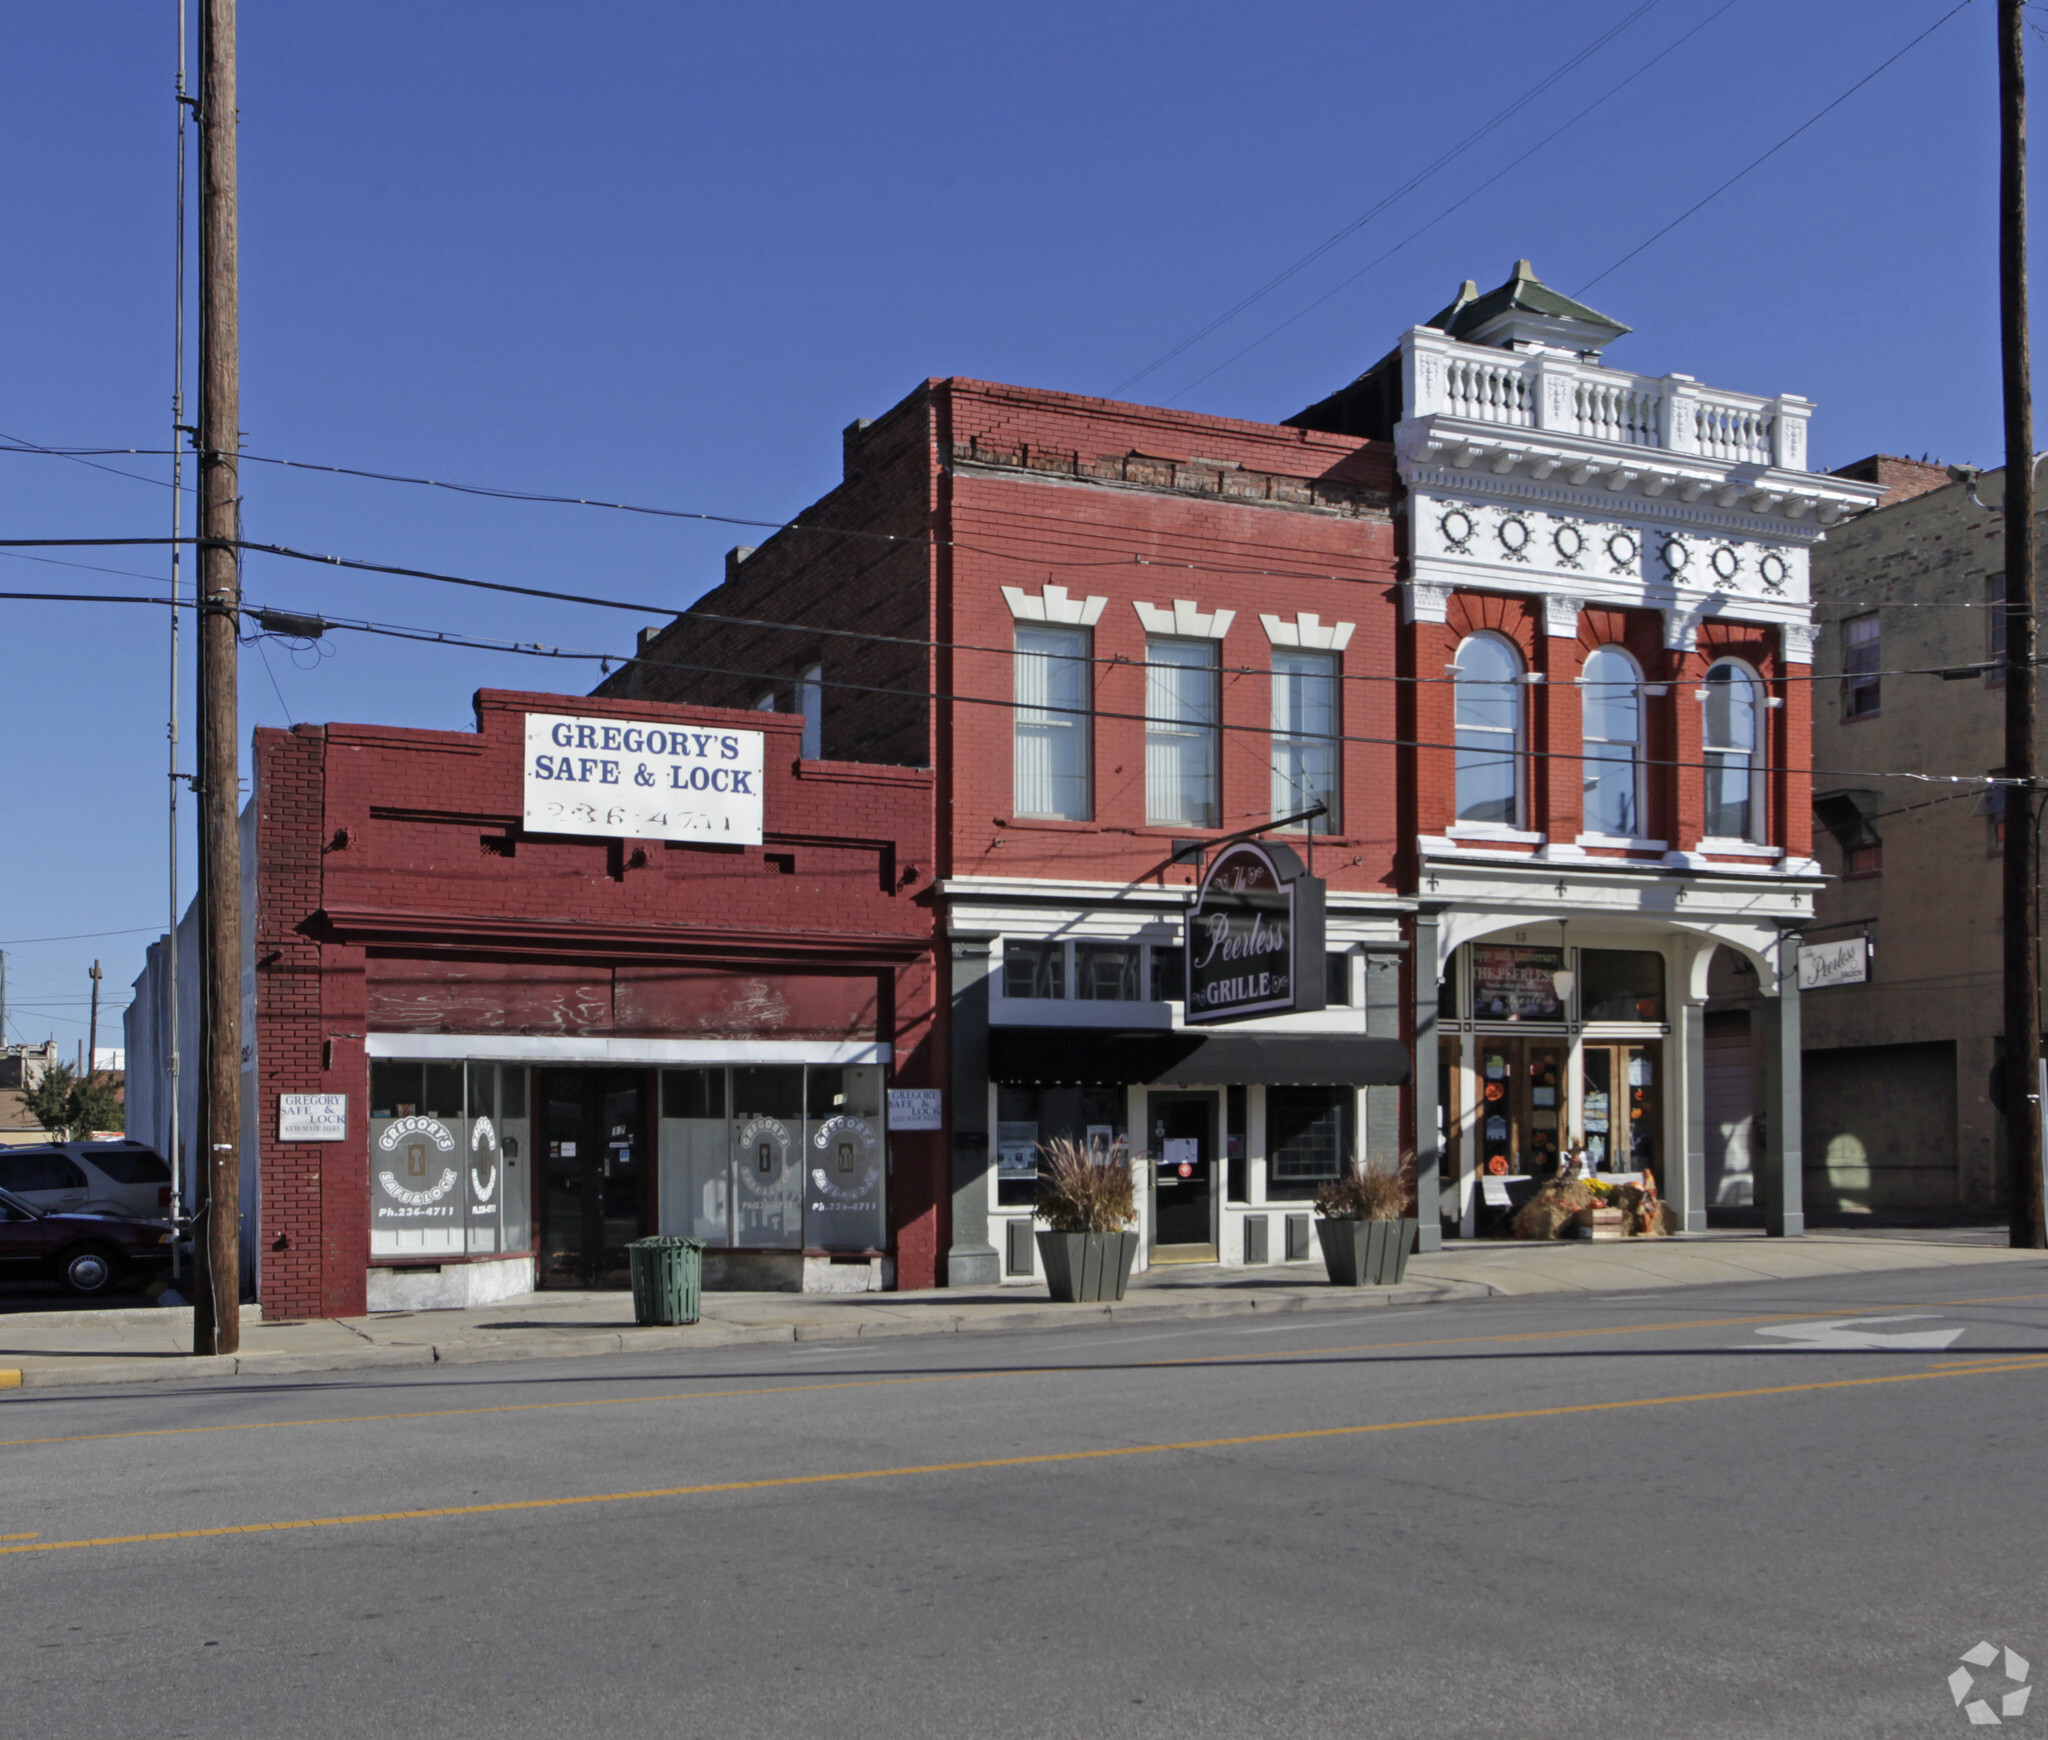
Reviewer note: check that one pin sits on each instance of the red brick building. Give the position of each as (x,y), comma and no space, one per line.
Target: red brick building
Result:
(1512,648)
(1535,631)
(550,1045)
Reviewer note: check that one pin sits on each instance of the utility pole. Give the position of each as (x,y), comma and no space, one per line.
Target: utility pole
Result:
(92,1032)
(216,1314)
(2021,1075)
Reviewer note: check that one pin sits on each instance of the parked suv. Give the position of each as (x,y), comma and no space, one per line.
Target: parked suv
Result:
(88,1253)
(123,1178)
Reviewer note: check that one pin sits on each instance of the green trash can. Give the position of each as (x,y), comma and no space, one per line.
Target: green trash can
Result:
(668,1279)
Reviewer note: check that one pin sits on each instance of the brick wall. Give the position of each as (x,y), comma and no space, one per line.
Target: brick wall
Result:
(392,859)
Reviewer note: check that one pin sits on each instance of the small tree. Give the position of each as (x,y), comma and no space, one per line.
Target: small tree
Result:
(69,1105)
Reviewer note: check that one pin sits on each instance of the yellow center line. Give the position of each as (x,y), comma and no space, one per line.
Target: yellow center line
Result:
(1263,1355)
(30,1536)
(930,1468)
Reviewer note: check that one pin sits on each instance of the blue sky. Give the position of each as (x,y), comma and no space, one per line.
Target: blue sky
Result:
(664,252)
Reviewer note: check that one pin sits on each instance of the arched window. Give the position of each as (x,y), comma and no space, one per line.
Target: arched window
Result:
(1612,718)
(1489,726)
(1735,809)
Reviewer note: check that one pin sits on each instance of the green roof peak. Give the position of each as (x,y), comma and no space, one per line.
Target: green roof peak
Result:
(1525,311)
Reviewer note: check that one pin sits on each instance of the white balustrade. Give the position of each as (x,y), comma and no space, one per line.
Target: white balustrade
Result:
(1548,390)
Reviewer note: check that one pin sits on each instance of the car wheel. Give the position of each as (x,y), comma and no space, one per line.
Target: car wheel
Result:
(90,1270)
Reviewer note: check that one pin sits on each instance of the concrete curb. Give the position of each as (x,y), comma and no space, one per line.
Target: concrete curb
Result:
(568,1343)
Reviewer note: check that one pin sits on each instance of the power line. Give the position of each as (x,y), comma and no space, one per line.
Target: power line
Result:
(871,637)
(535,650)
(22,942)
(1759,162)
(1358,223)
(1416,234)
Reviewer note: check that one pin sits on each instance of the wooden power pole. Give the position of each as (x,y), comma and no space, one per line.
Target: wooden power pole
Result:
(92,1031)
(2021,1075)
(216,1315)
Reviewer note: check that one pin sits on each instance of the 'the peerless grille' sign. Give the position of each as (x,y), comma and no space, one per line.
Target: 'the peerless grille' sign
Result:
(620,779)
(1255,936)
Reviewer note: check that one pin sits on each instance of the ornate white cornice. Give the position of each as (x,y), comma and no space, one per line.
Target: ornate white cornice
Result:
(1455,455)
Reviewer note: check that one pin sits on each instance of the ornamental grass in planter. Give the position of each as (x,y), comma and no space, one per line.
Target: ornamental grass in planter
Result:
(1088,1200)
(1364,1227)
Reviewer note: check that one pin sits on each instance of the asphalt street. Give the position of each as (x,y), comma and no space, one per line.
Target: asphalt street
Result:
(1785,1508)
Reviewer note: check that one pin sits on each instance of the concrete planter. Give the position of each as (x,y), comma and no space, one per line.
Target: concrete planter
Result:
(1087,1268)
(1365,1253)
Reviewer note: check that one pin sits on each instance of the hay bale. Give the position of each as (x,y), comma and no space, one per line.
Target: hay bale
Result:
(1553,1208)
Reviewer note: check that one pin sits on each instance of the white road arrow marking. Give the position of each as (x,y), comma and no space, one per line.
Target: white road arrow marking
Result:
(1862,1332)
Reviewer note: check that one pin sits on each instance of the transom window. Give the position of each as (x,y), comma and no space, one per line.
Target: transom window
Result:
(1734,770)
(1489,731)
(1612,714)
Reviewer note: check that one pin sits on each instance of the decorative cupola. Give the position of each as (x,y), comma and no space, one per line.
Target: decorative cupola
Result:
(1525,314)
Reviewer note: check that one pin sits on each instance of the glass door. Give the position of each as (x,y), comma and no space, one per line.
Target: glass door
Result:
(1184,1170)
(1624,1105)
(594,1175)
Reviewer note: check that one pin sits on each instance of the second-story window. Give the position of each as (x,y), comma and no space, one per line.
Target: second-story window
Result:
(1612,715)
(810,702)
(1181,783)
(1305,736)
(1489,731)
(1051,731)
(1862,641)
(1734,775)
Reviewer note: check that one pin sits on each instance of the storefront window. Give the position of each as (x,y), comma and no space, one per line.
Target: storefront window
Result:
(1522,1107)
(448,1159)
(696,1156)
(767,1113)
(1621,985)
(1308,1139)
(1029,1116)
(844,1158)
(1515,984)
(775,1158)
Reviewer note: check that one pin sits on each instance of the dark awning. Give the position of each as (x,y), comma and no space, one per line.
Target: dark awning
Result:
(1040,1056)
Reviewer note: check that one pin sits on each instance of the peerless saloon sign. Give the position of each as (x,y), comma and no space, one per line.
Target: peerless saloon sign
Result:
(622,780)
(1255,936)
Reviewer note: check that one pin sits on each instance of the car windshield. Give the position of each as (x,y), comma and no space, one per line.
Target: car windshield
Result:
(16,1208)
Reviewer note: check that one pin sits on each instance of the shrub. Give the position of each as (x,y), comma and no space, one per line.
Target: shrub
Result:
(1365,1192)
(1083,1190)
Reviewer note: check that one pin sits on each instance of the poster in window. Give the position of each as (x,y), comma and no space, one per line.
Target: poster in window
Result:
(843,1186)
(1515,984)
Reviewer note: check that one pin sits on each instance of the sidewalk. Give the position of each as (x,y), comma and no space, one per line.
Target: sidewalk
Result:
(62,1349)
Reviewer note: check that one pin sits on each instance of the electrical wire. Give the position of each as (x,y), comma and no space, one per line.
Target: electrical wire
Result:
(868,636)
(536,650)
(1450,210)
(1386,201)
(1759,162)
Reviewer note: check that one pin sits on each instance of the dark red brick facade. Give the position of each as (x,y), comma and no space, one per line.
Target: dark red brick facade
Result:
(397,891)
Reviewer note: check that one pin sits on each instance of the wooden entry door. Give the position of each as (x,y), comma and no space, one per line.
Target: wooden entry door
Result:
(1183,1172)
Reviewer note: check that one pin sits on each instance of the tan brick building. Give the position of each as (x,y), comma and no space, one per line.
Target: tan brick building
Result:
(1898,1105)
